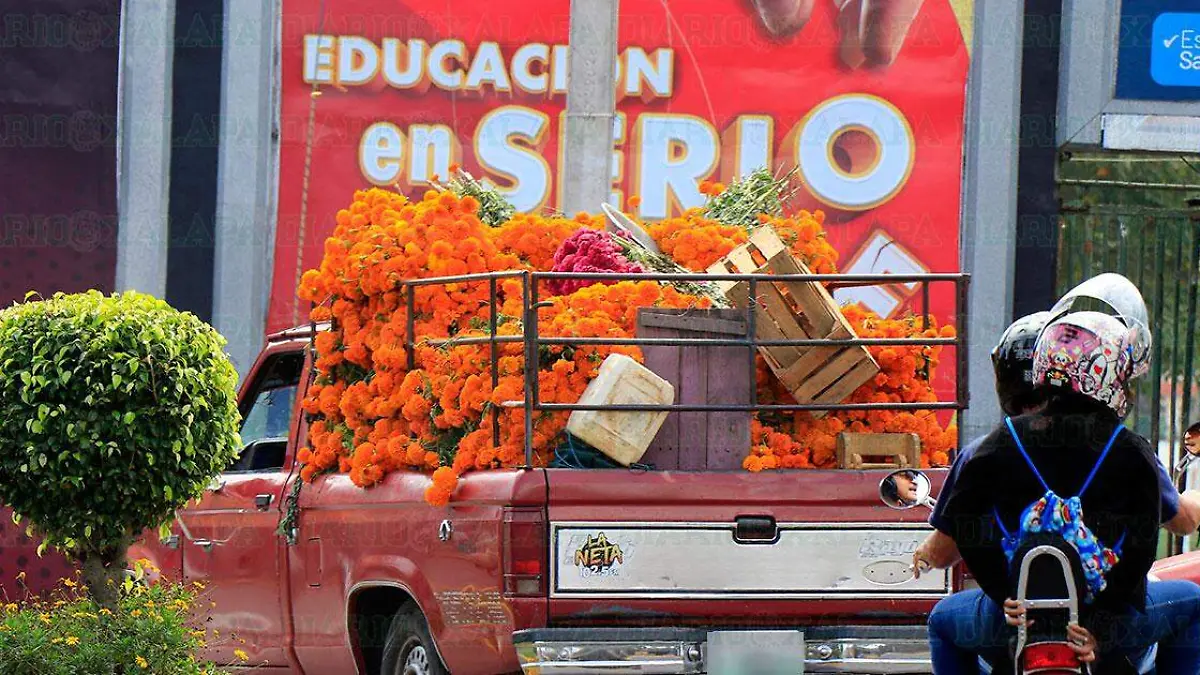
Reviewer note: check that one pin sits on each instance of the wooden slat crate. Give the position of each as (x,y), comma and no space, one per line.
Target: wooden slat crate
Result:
(796,310)
(699,441)
(878,451)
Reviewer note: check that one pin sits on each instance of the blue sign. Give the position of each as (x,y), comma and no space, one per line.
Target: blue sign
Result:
(1159,51)
(1175,50)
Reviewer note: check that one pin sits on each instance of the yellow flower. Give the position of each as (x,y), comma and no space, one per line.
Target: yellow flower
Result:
(105,611)
(142,663)
(56,640)
(72,640)
(11,607)
(45,618)
(135,613)
(241,654)
(69,583)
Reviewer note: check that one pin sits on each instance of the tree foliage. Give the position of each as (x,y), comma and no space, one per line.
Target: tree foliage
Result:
(114,411)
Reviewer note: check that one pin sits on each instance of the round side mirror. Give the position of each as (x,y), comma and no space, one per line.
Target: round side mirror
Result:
(905,489)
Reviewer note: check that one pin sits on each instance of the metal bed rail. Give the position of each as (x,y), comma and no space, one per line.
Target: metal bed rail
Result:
(532,339)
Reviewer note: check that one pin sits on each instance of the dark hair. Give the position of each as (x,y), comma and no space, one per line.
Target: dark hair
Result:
(1069,403)
(1193,430)
(890,491)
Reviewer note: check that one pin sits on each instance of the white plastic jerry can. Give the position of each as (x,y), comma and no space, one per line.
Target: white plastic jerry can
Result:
(622,435)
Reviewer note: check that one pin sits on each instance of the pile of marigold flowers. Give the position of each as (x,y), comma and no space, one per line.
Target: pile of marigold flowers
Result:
(373,411)
(372,414)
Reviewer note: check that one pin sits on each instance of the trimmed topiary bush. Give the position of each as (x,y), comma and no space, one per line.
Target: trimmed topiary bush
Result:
(114,412)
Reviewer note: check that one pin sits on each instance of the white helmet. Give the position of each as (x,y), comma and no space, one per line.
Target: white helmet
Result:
(1096,353)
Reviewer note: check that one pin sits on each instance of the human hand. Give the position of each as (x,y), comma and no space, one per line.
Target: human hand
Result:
(872,30)
(1082,643)
(1014,614)
(922,561)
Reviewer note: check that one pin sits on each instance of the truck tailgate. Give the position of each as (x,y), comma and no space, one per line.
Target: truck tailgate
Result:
(769,548)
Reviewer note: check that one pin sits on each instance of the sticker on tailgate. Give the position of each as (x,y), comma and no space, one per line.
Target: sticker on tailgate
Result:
(665,559)
(598,556)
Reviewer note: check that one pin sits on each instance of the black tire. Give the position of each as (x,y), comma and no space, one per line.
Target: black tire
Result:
(409,648)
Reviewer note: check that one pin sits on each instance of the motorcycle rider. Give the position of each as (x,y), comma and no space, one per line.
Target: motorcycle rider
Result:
(1063,439)
(1012,364)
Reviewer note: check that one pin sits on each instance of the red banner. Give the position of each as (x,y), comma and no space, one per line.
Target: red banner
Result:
(866,98)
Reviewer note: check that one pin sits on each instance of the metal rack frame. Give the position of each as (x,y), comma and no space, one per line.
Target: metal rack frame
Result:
(532,340)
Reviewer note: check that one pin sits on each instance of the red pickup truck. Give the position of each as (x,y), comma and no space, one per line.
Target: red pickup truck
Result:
(554,571)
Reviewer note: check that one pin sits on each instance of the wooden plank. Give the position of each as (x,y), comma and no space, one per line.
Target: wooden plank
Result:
(703,441)
(767,241)
(813,360)
(786,311)
(663,452)
(820,380)
(729,381)
(693,426)
(797,310)
(690,320)
(878,450)
(766,328)
(812,301)
(855,378)
(773,321)
(742,260)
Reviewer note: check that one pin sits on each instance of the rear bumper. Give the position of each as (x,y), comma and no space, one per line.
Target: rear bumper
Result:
(857,650)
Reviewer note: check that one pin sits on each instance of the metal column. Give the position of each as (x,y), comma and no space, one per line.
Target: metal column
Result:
(591,103)
(989,199)
(144,144)
(245,216)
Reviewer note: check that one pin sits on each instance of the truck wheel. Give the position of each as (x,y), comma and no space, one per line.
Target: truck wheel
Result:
(409,648)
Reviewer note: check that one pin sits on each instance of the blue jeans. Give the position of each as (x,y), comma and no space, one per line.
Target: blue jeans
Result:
(969,625)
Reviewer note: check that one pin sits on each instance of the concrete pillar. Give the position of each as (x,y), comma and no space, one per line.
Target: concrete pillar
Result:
(245,215)
(144,144)
(990,196)
(591,103)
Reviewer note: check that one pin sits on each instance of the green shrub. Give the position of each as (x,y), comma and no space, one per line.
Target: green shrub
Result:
(114,412)
(151,631)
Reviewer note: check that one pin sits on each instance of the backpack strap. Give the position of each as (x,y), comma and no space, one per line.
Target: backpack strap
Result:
(1087,483)
(1000,523)
(1021,446)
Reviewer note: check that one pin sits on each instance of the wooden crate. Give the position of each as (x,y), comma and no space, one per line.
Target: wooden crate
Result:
(697,441)
(878,451)
(786,310)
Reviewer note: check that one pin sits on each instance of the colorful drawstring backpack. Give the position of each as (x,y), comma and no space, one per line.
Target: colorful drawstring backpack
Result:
(1053,514)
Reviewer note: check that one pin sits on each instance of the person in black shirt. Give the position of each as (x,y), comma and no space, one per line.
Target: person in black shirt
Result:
(1083,361)
(1065,442)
